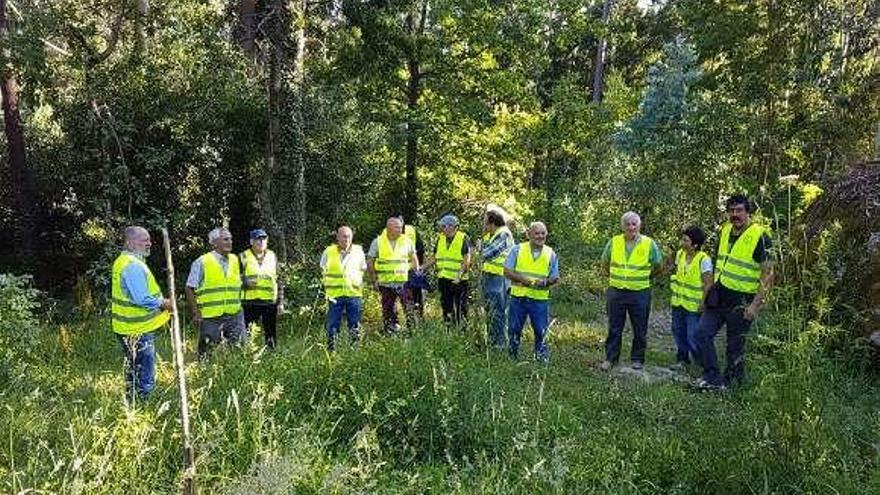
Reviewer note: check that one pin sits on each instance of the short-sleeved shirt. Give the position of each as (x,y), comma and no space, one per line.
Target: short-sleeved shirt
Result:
(373,253)
(705,265)
(465,246)
(510,262)
(197,271)
(655,256)
(729,298)
(348,259)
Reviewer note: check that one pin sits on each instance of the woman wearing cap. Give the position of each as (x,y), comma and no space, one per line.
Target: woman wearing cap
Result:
(690,283)
(453,258)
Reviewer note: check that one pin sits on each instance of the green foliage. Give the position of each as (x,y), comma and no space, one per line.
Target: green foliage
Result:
(18,322)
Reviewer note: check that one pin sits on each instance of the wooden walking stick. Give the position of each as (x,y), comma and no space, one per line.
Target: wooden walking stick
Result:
(189,473)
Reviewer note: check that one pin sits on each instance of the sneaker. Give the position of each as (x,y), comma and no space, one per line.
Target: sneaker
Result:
(638,365)
(606,365)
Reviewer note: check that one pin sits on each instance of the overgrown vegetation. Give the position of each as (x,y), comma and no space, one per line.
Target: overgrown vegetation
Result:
(431,412)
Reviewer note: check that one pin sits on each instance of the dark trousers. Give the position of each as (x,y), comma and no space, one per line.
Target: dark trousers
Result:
(390,296)
(264,315)
(453,300)
(636,304)
(737,327)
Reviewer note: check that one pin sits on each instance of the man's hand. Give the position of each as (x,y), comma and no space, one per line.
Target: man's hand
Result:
(166,305)
(250,283)
(280,309)
(197,318)
(751,311)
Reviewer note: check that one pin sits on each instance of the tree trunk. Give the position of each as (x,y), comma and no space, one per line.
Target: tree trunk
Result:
(601,51)
(247,14)
(298,148)
(143,10)
(411,180)
(21,177)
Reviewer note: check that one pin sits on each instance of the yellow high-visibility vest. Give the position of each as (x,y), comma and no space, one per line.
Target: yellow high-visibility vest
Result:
(127,318)
(448,256)
(633,273)
(495,266)
(736,268)
(264,274)
(392,265)
(687,282)
(532,269)
(339,281)
(219,294)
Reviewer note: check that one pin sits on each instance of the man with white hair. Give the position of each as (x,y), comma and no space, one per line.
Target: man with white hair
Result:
(532,268)
(343,265)
(213,291)
(629,260)
(137,310)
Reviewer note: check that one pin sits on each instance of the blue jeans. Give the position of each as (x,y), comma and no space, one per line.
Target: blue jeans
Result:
(636,303)
(538,313)
(140,363)
(737,327)
(684,331)
(351,306)
(495,289)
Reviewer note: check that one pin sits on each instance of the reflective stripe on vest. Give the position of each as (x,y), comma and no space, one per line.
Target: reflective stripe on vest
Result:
(687,282)
(532,269)
(343,280)
(264,274)
(736,269)
(495,266)
(448,256)
(633,273)
(219,294)
(392,265)
(127,318)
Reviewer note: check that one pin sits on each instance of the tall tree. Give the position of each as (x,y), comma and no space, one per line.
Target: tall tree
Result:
(25,234)
(601,51)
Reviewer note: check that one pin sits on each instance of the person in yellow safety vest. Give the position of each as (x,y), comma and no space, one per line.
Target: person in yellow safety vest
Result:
(415,294)
(496,245)
(213,291)
(452,256)
(137,310)
(343,265)
(629,260)
(691,281)
(261,297)
(743,278)
(532,268)
(389,259)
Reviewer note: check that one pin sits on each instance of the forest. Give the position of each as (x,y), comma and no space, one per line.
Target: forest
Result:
(297,116)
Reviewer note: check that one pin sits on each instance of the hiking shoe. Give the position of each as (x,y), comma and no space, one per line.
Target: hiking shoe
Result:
(638,365)
(704,384)
(606,365)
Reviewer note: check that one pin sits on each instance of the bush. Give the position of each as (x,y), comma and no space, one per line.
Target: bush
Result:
(18,323)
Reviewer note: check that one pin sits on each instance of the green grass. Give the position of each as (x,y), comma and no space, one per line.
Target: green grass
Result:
(431,413)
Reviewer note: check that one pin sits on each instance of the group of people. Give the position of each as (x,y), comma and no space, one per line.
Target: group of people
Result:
(227,292)
(703,297)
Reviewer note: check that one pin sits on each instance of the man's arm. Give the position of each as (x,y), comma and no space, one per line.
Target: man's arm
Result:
(553,279)
(605,260)
(767,276)
(134,281)
(193,281)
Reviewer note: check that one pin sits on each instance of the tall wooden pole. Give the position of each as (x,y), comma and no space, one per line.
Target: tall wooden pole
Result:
(189,474)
